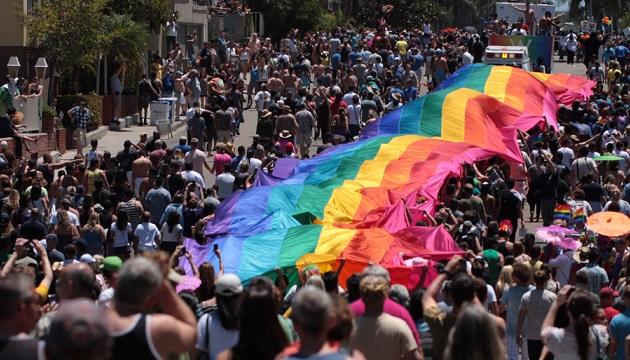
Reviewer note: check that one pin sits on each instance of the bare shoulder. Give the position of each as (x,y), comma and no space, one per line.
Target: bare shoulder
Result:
(225,355)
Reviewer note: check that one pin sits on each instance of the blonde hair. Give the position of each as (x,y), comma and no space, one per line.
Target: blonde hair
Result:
(63,219)
(93,221)
(13,200)
(178,154)
(505,278)
(316,281)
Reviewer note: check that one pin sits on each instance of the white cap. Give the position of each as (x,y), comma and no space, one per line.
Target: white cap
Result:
(87,258)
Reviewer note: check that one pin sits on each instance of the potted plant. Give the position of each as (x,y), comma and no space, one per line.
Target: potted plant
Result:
(93,123)
(48,118)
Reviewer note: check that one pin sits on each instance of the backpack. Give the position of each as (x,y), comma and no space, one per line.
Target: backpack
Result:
(167,83)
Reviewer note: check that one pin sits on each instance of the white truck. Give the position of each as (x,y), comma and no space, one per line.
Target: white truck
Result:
(516,56)
(505,11)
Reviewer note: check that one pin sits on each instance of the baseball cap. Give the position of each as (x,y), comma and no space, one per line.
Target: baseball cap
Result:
(51,237)
(87,258)
(27,261)
(111,264)
(608,292)
(221,146)
(229,284)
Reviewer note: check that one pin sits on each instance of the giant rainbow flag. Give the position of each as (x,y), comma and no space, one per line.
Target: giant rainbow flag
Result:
(348,201)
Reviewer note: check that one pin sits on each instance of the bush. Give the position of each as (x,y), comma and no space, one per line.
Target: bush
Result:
(48,112)
(94,103)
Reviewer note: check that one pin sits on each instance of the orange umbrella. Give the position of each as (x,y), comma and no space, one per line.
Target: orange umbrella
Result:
(609,223)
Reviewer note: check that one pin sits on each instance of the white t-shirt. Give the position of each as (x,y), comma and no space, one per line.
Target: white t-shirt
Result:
(467,59)
(262,99)
(225,185)
(492,296)
(218,340)
(106,295)
(197,158)
(146,233)
(253,164)
(121,238)
(192,175)
(563,343)
(567,156)
(622,163)
(354,114)
(74,219)
(171,237)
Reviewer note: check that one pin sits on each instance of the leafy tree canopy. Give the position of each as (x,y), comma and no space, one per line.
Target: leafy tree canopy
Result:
(157,11)
(65,30)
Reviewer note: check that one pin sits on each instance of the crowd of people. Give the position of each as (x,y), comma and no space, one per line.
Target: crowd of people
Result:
(91,247)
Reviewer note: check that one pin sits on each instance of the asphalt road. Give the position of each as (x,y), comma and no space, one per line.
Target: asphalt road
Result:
(248,129)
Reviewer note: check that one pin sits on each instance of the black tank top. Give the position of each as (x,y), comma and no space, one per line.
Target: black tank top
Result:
(175,183)
(133,343)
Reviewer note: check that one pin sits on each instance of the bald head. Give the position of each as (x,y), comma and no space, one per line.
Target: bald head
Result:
(78,331)
(77,281)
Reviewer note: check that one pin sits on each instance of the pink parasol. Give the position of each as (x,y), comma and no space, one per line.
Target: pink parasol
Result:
(189,283)
(569,244)
(554,234)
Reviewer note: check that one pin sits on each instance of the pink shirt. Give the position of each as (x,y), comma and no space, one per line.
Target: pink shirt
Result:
(392,308)
(220,160)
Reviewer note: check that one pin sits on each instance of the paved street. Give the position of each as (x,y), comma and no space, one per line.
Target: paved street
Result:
(113,140)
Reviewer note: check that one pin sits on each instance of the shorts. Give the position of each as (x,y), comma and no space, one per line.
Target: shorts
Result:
(137,185)
(143,101)
(169,247)
(121,250)
(303,140)
(224,136)
(81,134)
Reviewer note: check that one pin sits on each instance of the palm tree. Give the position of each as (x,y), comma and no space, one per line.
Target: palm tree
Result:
(122,40)
(595,8)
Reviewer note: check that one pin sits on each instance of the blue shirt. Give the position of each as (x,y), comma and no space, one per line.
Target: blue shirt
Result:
(253,73)
(411,93)
(335,60)
(174,207)
(418,62)
(222,44)
(183,148)
(353,57)
(621,51)
(620,328)
(234,163)
(398,72)
(157,200)
(608,53)
(512,298)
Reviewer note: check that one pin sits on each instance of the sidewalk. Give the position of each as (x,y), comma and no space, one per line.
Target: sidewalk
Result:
(113,141)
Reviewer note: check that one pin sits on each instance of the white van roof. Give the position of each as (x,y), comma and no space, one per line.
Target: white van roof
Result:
(507,49)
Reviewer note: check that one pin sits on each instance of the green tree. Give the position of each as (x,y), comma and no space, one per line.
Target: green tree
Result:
(582,9)
(405,14)
(66,31)
(156,11)
(283,15)
(123,39)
